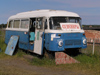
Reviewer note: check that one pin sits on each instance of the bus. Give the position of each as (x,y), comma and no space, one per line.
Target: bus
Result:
(54,30)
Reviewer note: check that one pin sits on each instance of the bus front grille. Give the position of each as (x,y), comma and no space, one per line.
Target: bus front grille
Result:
(72,42)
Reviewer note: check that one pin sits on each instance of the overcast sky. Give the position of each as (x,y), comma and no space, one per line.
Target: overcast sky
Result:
(89,10)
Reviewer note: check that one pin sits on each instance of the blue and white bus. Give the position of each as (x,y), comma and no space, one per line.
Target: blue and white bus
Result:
(54,30)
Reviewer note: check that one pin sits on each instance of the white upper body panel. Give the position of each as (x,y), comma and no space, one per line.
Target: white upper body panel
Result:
(44,13)
(48,31)
(62,31)
(41,13)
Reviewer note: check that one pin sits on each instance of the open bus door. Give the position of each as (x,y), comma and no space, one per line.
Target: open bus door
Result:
(39,36)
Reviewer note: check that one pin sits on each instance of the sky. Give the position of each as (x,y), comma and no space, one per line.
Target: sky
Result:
(89,10)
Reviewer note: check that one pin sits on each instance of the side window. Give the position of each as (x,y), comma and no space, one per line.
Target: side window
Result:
(24,23)
(10,24)
(16,23)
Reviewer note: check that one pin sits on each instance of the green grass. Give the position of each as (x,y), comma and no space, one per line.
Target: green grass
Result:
(2,38)
(89,64)
(19,53)
(89,49)
(2,44)
(90,59)
(42,61)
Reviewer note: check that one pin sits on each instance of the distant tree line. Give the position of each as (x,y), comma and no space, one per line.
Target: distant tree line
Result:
(3,26)
(91,27)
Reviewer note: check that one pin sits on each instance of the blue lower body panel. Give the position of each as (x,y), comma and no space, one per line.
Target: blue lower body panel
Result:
(24,39)
(51,42)
(70,40)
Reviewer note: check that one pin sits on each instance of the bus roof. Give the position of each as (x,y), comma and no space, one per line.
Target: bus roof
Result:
(41,13)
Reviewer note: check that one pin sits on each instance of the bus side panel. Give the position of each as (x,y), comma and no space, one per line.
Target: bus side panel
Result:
(47,41)
(31,47)
(23,38)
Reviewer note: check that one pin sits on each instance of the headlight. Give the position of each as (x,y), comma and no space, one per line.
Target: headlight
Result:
(60,43)
(84,41)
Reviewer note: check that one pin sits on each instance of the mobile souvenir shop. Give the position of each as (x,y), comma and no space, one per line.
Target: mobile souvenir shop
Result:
(54,30)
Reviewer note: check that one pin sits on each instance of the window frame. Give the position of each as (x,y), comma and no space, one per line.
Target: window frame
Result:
(19,23)
(23,20)
(16,20)
(9,24)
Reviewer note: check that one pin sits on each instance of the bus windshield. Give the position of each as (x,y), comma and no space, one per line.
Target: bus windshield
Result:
(54,22)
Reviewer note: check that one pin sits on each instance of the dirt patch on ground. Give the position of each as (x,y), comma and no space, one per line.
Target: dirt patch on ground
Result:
(18,66)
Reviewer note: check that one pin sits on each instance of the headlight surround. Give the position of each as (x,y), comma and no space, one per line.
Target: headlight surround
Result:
(60,43)
(84,41)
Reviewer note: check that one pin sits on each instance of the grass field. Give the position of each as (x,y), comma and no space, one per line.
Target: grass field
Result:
(89,64)
(2,38)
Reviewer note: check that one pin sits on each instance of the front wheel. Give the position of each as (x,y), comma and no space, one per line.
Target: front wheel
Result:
(49,54)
